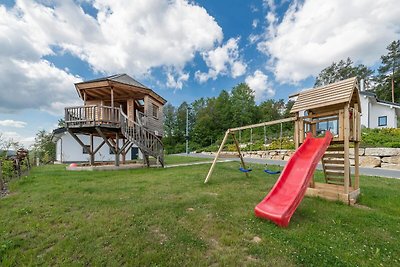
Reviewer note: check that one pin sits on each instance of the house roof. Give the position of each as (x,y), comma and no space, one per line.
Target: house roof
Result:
(57,133)
(345,91)
(122,82)
(372,94)
(121,78)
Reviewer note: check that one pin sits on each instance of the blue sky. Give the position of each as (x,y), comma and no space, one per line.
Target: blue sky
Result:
(182,49)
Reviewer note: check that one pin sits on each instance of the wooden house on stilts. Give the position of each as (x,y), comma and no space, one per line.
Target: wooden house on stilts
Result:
(118,108)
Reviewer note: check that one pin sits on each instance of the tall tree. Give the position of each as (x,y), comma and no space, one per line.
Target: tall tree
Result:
(169,120)
(388,78)
(342,70)
(244,110)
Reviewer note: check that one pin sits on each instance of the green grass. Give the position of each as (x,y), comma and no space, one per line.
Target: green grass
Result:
(168,217)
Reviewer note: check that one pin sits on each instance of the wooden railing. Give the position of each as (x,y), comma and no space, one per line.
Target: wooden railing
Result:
(92,116)
(146,140)
(141,118)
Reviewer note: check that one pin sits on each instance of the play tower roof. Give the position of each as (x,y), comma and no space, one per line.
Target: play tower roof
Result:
(334,94)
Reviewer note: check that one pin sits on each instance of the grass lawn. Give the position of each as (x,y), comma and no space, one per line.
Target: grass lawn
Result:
(168,217)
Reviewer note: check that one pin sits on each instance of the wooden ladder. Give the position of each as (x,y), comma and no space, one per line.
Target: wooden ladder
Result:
(333,164)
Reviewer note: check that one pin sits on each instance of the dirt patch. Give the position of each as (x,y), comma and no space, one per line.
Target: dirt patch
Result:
(158,235)
(256,240)
(358,206)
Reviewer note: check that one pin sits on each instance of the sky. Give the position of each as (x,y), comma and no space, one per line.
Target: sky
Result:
(182,49)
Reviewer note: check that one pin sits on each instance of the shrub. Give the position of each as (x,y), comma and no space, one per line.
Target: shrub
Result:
(386,137)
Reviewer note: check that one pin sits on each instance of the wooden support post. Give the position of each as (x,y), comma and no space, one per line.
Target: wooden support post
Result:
(99,146)
(301,131)
(112,97)
(79,141)
(123,153)
(216,156)
(346,145)
(356,165)
(91,150)
(116,150)
(240,154)
(296,133)
(105,139)
(84,98)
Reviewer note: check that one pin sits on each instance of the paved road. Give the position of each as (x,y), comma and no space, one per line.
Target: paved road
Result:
(364,171)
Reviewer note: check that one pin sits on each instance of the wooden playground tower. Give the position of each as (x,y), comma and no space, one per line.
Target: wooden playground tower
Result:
(335,107)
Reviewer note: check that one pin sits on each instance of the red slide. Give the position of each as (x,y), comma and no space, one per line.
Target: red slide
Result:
(287,193)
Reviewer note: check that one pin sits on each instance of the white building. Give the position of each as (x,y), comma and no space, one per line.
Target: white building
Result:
(68,150)
(377,113)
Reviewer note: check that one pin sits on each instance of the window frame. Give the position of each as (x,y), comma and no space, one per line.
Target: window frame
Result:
(155,111)
(379,121)
(84,151)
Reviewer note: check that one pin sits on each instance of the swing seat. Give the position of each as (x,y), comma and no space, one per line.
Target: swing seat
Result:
(245,170)
(271,172)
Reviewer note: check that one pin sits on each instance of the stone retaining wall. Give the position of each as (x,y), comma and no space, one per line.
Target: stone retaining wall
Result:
(388,158)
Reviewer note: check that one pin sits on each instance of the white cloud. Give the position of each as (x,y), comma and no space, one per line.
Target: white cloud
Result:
(313,34)
(14,136)
(176,82)
(260,84)
(130,36)
(13,123)
(255,22)
(223,60)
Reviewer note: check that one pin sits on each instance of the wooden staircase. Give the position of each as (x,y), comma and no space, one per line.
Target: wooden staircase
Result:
(333,164)
(147,141)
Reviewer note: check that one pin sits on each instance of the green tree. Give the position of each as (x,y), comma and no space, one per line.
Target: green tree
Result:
(169,120)
(61,123)
(388,78)
(44,148)
(244,110)
(341,70)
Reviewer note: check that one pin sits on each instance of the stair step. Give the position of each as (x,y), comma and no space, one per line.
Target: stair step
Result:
(340,148)
(333,161)
(334,167)
(334,155)
(335,173)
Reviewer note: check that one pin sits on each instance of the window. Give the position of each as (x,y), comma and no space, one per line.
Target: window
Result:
(382,121)
(84,150)
(155,111)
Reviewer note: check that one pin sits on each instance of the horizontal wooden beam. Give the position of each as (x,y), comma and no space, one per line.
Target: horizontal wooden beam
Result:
(267,123)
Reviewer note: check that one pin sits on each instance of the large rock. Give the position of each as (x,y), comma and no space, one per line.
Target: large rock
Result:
(361,151)
(392,160)
(390,166)
(279,157)
(369,161)
(286,158)
(382,151)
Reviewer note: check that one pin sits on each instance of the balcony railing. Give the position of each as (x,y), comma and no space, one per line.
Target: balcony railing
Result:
(92,116)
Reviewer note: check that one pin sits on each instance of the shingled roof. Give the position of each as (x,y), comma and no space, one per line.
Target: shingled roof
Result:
(123,83)
(121,78)
(341,92)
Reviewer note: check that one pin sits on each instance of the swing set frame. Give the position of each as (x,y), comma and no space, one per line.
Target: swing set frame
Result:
(232,132)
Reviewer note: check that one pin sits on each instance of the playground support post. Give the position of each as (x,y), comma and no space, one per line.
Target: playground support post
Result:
(216,156)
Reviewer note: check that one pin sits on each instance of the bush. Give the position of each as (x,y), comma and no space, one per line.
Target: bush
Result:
(7,168)
(386,137)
